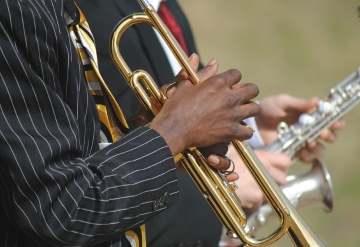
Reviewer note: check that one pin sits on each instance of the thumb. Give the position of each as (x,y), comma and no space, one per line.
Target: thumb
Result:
(302,105)
(270,159)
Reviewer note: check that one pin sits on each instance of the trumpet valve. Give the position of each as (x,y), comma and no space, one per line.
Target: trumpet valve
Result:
(232,187)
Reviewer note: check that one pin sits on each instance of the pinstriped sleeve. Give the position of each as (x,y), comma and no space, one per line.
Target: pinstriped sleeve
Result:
(55,185)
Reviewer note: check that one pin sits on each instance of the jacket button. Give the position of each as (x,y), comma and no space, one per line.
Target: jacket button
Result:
(166,197)
(156,204)
(162,200)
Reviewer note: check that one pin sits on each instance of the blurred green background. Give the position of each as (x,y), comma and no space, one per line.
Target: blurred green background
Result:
(301,48)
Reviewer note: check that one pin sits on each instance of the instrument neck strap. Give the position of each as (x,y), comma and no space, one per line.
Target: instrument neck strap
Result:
(113,122)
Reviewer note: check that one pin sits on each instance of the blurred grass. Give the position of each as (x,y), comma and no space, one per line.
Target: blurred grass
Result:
(302,48)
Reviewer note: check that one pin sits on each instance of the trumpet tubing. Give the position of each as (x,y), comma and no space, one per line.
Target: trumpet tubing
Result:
(312,188)
(214,186)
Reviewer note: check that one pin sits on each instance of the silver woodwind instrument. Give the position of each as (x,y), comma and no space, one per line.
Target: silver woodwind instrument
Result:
(315,186)
(341,99)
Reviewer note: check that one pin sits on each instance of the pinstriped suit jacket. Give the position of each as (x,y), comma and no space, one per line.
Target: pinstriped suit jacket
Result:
(56,187)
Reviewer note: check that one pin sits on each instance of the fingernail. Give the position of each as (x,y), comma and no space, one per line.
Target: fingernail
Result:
(312,144)
(214,160)
(250,128)
(211,62)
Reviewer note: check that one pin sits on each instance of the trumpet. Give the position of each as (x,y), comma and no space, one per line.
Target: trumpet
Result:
(213,185)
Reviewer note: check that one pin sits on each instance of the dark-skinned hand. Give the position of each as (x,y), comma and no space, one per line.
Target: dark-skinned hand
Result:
(213,152)
(208,113)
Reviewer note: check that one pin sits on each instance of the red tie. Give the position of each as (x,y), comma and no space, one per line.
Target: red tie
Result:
(168,18)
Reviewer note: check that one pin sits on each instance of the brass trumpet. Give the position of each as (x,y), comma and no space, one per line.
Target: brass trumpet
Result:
(216,189)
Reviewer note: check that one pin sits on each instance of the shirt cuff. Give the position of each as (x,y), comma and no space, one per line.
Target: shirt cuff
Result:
(256,140)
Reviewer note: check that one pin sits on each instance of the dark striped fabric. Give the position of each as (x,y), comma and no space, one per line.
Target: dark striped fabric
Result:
(56,187)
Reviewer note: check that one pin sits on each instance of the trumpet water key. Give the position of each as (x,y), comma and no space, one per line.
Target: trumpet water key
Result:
(212,184)
(341,99)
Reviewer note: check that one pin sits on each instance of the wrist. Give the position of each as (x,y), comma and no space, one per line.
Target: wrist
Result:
(173,139)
